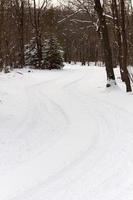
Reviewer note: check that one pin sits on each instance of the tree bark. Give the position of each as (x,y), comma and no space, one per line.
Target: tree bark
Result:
(2,3)
(19,16)
(37,34)
(22,59)
(106,43)
(125,49)
(117,30)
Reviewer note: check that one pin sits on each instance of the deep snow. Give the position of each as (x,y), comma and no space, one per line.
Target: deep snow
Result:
(64,136)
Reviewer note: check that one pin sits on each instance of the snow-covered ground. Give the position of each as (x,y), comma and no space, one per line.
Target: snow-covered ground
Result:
(64,136)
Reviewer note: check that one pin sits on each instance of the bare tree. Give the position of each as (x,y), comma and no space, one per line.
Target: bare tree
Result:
(105,42)
(35,16)
(121,38)
(117,32)
(125,47)
(19,6)
(2,8)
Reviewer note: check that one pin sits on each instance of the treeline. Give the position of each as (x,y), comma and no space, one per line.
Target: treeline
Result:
(75,27)
(87,30)
(114,25)
(23,20)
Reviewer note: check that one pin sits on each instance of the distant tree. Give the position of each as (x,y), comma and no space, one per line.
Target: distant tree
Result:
(35,10)
(19,12)
(53,55)
(2,10)
(31,57)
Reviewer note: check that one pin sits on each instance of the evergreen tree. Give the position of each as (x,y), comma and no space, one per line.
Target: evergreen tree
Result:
(31,57)
(53,55)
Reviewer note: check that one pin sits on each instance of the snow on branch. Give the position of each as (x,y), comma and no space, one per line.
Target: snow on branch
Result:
(69,16)
(109,16)
(81,21)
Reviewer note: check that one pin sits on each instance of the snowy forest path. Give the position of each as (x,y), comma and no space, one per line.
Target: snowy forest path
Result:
(73,139)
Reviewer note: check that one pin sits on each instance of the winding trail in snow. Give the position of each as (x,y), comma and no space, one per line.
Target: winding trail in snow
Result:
(72,142)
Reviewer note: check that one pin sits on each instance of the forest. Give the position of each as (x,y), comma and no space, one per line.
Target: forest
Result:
(66,100)
(85,30)
(88,31)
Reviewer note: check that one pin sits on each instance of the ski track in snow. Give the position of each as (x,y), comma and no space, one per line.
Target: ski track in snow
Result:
(72,141)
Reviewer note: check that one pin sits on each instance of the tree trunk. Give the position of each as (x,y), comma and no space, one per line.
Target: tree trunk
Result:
(1,33)
(38,34)
(106,43)
(124,39)
(19,17)
(22,58)
(117,30)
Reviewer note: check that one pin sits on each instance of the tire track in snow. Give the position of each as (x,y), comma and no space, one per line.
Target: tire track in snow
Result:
(95,167)
(21,143)
(76,160)
(111,110)
(114,135)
